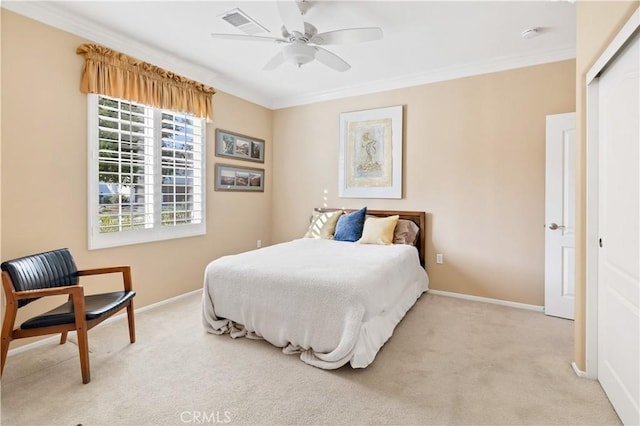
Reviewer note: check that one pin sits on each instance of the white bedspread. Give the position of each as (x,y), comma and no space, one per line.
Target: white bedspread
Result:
(332,301)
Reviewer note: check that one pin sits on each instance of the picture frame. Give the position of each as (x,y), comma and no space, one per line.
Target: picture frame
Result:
(238,178)
(370,157)
(238,146)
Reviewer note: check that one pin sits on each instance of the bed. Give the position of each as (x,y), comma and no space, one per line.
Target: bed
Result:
(333,302)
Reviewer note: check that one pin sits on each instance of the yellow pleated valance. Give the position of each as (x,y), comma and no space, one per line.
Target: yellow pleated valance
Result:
(111,73)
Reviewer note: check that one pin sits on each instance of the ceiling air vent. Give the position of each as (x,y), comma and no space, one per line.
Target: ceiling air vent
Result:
(243,22)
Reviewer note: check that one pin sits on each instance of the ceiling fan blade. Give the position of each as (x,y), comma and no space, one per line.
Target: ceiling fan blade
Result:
(274,62)
(331,59)
(248,38)
(291,16)
(348,36)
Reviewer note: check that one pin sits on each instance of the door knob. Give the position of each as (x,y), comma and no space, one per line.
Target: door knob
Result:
(554,226)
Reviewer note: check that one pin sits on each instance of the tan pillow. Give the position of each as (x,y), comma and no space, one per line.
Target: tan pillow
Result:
(406,232)
(323,225)
(378,230)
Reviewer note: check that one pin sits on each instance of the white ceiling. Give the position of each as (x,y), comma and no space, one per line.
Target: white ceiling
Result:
(424,41)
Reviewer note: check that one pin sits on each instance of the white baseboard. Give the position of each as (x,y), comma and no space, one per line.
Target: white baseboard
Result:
(578,372)
(123,315)
(488,300)
(161,303)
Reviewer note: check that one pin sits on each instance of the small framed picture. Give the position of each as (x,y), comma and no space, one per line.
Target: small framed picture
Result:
(241,147)
(238,178)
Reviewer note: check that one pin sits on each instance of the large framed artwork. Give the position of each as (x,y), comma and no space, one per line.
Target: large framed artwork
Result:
(370,159)
(240,147)
(238,178)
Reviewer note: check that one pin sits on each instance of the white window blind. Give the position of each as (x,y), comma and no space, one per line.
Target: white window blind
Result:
(181,169)
(146,169)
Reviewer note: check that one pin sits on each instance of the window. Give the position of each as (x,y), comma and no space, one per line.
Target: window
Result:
(146,173)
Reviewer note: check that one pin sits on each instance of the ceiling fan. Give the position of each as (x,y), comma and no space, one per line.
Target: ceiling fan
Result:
(302,40)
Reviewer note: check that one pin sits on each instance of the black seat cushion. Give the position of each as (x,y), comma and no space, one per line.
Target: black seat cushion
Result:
(96,306)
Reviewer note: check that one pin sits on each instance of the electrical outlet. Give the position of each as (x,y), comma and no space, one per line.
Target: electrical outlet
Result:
(259,243)
(439,258)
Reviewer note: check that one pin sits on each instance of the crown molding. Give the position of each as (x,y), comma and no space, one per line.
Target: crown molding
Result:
(433,76)
(48,13)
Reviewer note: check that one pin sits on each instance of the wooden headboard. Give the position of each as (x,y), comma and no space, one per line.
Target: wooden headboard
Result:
(419,218)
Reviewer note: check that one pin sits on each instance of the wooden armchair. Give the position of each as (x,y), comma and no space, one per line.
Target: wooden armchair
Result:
(53,273)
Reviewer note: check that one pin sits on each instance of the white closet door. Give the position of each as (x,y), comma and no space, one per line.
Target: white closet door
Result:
(619,216)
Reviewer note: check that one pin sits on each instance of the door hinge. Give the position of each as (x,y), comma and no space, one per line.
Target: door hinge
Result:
(600,242)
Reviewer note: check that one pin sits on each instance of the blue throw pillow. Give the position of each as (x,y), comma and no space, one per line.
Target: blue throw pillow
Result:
(349,226)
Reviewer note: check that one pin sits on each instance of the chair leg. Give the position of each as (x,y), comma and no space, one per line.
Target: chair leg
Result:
(81,332)
(7,330)
(5,350)
(132,325)
(63,337)
(83,349)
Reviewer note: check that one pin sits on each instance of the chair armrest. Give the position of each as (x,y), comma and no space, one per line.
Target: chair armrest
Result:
(53,291)
(125,270)
(107,270)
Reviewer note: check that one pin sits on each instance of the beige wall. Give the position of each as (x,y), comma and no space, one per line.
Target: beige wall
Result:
(474,161)
(597,24)
(44,169)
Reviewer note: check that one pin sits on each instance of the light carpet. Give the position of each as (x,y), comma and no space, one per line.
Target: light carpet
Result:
(449,362)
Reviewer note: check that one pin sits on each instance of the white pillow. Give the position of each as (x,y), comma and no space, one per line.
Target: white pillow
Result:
(323,225)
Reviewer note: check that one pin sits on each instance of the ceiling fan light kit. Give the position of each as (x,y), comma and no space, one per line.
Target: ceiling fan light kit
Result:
(302,40)
(299,53)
